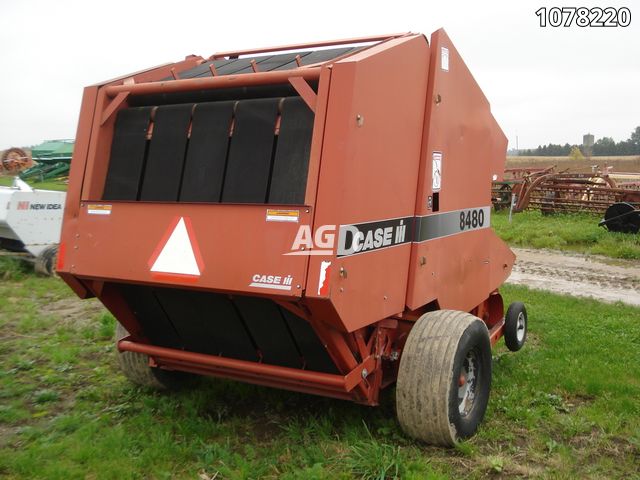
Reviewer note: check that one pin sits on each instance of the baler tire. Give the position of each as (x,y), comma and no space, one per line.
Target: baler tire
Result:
(516,324)
(135,367)
(430,376)
(46,261)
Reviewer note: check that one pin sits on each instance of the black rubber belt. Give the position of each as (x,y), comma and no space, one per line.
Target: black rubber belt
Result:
(315,354)
(249,163)
(207,155)
(127,154)
(153,320)
(207,323)
(266,63)
(165,160)
(268,329)
(291,161)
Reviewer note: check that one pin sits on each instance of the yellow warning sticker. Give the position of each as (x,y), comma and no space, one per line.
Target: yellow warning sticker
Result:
(274,215)
(99,209)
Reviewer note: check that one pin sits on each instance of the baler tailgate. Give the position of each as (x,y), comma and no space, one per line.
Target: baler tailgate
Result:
(229,160)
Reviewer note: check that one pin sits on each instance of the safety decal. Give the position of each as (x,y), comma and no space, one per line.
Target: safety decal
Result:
(323,282)
(178,253)
(436,171)
(444,59)
(99,209)
(274,215)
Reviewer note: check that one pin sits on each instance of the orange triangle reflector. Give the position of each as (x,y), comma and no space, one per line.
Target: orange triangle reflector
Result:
(177,253)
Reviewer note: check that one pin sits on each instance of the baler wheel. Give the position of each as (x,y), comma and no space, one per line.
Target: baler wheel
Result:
(135,367)
(45,262)
(515,326)
(444,377)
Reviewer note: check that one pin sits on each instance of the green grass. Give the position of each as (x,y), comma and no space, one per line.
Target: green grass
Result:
(573,232)
(566,406)
(57,185)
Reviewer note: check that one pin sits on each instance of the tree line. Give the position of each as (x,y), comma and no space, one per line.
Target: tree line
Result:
(603,146)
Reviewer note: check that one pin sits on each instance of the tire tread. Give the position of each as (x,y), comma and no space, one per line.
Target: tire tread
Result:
(425,375)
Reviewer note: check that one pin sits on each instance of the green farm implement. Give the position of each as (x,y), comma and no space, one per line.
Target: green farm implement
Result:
(53,160)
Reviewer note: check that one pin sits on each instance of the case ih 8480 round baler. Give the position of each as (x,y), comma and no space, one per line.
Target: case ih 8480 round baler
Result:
(312,217)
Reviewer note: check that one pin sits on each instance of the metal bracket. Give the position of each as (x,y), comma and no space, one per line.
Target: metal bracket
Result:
(113,106)
(305,91)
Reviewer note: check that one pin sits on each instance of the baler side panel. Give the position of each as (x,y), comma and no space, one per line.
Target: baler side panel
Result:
(70,231)
(453,266)
(370,159)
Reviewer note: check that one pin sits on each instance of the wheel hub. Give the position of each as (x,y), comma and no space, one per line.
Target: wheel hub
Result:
(520,327)
(467,384)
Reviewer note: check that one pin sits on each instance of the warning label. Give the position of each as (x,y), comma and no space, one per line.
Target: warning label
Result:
(274,215)
(436,171)
(99,209)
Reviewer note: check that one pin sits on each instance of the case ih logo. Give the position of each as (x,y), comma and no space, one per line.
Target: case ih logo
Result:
(352,239)
(278,282)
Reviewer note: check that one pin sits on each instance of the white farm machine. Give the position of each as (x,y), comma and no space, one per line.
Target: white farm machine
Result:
(30,222)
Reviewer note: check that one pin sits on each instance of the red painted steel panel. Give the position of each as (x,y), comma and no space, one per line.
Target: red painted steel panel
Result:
(368,172)
(235,243)
(456,270)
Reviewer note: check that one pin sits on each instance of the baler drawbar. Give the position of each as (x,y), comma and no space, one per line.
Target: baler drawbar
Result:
(310,217)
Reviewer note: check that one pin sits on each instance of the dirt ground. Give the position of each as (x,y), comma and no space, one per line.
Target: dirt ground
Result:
(602,278)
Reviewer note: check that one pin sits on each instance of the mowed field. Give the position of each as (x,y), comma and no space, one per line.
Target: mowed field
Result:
(619,164)
(566,406)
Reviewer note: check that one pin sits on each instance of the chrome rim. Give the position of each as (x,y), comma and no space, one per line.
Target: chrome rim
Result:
(521,326)
(467,383)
